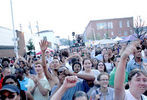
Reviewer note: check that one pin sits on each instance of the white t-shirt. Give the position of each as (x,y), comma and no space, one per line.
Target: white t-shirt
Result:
(129,96)
(37,94)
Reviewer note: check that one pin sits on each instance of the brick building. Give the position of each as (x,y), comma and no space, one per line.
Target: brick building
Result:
(109,28)
(7,44)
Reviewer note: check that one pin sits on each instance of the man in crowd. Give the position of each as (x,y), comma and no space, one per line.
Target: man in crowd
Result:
(137,62)
(62,72)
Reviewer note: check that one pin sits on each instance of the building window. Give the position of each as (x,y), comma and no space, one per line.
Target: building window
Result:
(110,25)
(120,24)
(125,33)
(101,26)
(128,23)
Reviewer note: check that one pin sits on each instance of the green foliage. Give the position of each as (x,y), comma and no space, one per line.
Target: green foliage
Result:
(30,45)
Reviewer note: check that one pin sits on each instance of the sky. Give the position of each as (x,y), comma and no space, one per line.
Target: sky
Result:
(66,16)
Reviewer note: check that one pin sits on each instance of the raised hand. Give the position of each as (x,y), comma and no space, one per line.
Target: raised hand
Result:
(130,49)
(70,81)
(43,45)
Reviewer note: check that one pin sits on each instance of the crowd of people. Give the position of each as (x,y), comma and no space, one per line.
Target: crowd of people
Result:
(117,72)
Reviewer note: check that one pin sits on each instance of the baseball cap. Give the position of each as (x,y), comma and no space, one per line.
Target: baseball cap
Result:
(11,88)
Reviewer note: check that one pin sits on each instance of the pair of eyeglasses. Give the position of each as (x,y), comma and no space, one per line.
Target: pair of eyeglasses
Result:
(104,79)
(11,96)
(101,65)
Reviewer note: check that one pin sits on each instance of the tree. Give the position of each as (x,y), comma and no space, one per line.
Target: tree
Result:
(30,45)
(139,24)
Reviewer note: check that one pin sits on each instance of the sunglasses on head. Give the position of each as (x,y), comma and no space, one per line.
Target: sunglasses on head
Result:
(62,71)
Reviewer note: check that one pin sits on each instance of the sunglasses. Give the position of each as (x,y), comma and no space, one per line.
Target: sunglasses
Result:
(3,97)
(62,71)
(138,48)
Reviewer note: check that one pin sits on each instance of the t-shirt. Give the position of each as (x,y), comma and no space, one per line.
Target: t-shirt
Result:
(109,67)
(24,83)
(37,94)
(99,57)
(80,86)
(109,95)
(112,77)
(129,96)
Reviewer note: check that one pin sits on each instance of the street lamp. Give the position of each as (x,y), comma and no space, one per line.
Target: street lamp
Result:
(14,33)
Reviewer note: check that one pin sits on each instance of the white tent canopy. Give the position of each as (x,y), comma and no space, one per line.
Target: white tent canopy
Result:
(107,41)
(117,39)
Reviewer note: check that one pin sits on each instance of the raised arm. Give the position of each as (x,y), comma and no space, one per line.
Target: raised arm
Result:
(120,72)
(15,63)
(82,76)
(43,46)
(70,81)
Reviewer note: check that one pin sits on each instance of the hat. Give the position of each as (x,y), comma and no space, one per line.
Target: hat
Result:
(11,88)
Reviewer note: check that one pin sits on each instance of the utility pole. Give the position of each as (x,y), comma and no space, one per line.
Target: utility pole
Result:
(37,26)
(68,41)
(30,27)
(93,34)
(14,33)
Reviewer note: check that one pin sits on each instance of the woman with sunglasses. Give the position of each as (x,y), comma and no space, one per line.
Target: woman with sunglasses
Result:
(137,78)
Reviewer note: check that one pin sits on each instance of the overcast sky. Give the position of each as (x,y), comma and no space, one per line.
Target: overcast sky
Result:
(66,16)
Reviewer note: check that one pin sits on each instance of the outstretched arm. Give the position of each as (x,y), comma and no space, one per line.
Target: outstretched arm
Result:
(70,81)
(82,76)
(43,46)
(120,72)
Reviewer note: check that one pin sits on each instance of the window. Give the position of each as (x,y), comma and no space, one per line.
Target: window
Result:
(101,26)
(120,24)
(128,23)
(110,25)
